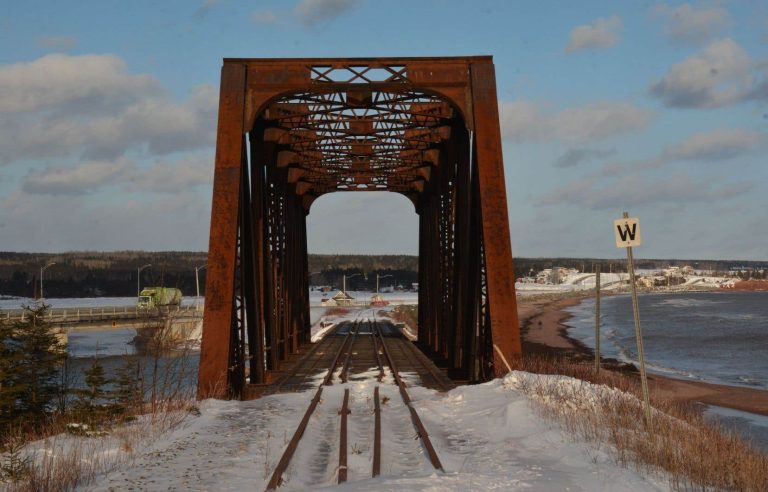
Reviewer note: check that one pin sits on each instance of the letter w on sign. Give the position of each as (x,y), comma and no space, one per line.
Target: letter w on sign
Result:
(627,232)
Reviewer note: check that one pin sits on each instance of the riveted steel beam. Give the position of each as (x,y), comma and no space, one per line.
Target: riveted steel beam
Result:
(424,127)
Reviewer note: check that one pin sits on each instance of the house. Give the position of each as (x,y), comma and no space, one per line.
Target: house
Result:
(377,300)
(340,299)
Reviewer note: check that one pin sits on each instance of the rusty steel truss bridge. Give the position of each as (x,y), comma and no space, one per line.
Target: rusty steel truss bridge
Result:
(292,130)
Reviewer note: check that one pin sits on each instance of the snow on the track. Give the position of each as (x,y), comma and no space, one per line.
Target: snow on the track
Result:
(488,437)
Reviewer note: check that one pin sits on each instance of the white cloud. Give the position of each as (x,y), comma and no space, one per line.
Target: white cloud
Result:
(173,176)
(602,33)
(58,78)
(721,74)
(263,17)
(688,23)
(716,145)
(311,12)
(59,43)
(70,222)
(524,120)
(574,157)
(162,176)
(91,107)
(83,178)
(634,190)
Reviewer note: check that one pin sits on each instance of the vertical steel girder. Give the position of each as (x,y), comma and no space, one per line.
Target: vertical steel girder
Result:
(291,130)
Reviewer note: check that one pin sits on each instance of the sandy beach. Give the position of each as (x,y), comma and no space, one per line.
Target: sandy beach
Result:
(543,322)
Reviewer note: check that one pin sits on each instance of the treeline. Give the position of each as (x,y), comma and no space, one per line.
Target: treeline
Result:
(95,274)
(114,274)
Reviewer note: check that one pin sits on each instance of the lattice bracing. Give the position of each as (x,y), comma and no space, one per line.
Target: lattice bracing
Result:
(359,139)
(291,131)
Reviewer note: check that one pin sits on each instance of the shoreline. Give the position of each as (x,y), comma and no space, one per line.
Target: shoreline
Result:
(544,330)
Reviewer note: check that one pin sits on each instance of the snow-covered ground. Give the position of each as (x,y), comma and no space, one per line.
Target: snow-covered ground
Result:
(488,437)
(395,298)
(574,282)
(608,281)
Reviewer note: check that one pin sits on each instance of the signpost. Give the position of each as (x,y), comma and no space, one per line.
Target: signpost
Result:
(627,233)
(597,319)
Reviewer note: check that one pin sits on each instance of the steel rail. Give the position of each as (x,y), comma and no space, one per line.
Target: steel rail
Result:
(345,367)
(419,426)
(300,365)
(343,438)
(376,433)
(285,459)
(413,354)
(380,376)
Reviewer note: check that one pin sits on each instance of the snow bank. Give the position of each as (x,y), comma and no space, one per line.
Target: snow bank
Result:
(488,437)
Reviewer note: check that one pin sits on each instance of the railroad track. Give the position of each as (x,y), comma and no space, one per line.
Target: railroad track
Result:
(363,346)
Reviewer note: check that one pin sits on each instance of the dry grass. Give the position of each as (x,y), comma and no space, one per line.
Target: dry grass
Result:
(53,460)
(408,314)
(694,454)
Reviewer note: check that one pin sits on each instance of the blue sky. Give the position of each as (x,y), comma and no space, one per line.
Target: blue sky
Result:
(108,114)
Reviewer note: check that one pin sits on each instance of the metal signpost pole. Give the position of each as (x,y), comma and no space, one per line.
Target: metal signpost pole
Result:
(138,279)
(197,285)
(43,269)
(627,235)
(597,319)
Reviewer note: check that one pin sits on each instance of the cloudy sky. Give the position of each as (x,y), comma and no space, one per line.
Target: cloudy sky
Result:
(108,114)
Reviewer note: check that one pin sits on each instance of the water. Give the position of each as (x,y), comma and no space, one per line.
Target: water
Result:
(720,337)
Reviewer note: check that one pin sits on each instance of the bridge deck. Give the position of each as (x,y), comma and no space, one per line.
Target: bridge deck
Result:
(306,372)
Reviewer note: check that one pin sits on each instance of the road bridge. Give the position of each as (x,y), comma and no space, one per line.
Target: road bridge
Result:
(292,130)
(180,321)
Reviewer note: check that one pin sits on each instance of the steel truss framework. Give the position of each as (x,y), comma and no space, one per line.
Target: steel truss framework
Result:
(291,130)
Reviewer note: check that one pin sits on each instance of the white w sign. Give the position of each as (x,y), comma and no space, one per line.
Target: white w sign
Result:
(627,232)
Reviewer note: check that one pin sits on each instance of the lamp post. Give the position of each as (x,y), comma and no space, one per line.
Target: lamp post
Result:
(344,281)
(377,280)
(309,276)
(42,269)
(138,279)
(197,284)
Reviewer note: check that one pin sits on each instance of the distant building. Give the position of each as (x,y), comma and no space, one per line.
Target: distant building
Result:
(554,275)
(340,299)
(377,300)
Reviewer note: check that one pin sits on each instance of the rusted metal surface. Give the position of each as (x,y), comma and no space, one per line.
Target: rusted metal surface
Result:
(285,459)
(424,127)
(402,355)
(348,358)
(215,351)
(497,247)
(418,425)
(376,468)
(343,438)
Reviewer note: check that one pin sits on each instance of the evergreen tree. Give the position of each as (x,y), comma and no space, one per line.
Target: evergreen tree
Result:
(126,394)
(11,386)
(90,402)
(32,356)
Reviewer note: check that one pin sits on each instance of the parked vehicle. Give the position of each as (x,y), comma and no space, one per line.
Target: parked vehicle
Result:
(152,297)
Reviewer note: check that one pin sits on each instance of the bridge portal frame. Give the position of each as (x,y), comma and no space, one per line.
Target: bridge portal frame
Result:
(257,305)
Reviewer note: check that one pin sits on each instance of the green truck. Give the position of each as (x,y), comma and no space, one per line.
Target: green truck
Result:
(152,297)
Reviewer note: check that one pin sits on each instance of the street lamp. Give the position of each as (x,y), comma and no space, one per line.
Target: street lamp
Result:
(138,279)
(309,277)
(42,269)
(344,281)
(377,280)
(197,283)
